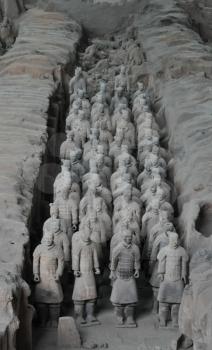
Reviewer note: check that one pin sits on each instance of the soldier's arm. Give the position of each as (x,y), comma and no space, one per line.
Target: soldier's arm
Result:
(74,213)
(36,261)
(137,262)
(66,248)
(95,260)
(184,265)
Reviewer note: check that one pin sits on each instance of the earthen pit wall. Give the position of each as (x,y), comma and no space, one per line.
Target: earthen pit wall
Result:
(179,68)
(27,81)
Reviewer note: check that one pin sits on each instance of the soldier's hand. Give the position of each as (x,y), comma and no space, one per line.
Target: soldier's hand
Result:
(57,277)
(136,274)
(36,277)
(112,275)
(97,272)
(77,273)
(161,277)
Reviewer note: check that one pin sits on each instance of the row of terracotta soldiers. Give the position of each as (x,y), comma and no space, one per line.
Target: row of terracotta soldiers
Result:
(164,261)
(86,195)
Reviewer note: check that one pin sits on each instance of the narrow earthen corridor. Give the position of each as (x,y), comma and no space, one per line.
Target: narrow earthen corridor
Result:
(105,156)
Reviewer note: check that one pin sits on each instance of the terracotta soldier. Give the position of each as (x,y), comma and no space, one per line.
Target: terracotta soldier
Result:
(48,265)
(122,80)
(103,93)
(81,128)
(67,212)
(119,98)
(172,272)
(52,226)
(73,115)
(62,179)
(67,146)
(160,242)
(85,265)
(77,82)
(125,266)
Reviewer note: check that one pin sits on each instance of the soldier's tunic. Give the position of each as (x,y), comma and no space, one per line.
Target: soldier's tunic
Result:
(172,263)
(125,260)
(84,260)
(47,262)
(160,242)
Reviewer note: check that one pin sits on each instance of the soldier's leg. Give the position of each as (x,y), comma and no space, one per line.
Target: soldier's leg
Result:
(130,314)
(163,314)
(54,314)
(90,311)
(119,311)
(155,300)
(174,314)
(42,312)
(79,309)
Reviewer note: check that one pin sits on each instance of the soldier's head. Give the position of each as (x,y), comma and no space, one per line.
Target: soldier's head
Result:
(160,193)
(128,237)
(163,218)
(173,239)
(102,86)
(78,72)
(122,69)
(155,150)
(47,239)
(169,227)
(140,86)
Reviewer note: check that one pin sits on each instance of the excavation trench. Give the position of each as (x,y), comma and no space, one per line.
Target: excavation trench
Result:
(147,332)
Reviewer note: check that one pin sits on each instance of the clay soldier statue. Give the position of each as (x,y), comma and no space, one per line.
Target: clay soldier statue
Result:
(48,265)
(172,271)
(81,128)
(77,82)
(140,91)
(103,93)
(85,265)
(160,242)
(52,226)
(125,266)
(67,212)
(62,179)
(122,80)
(67,146)
(118,99)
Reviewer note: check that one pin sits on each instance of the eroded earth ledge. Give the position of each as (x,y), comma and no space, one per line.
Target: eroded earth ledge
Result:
(28,78)
(179,69)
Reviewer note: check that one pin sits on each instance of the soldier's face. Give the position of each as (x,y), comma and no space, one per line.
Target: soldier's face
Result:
(128,239)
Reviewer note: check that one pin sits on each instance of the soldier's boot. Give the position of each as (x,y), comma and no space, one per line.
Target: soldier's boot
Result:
(79,312)
(163,314)
(155,301)
(119,311)
(90,312)
(130,315)
(54,314)
(42,312)
(174,315)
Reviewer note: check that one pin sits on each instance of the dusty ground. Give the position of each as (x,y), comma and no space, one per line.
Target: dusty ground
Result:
(147,332)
